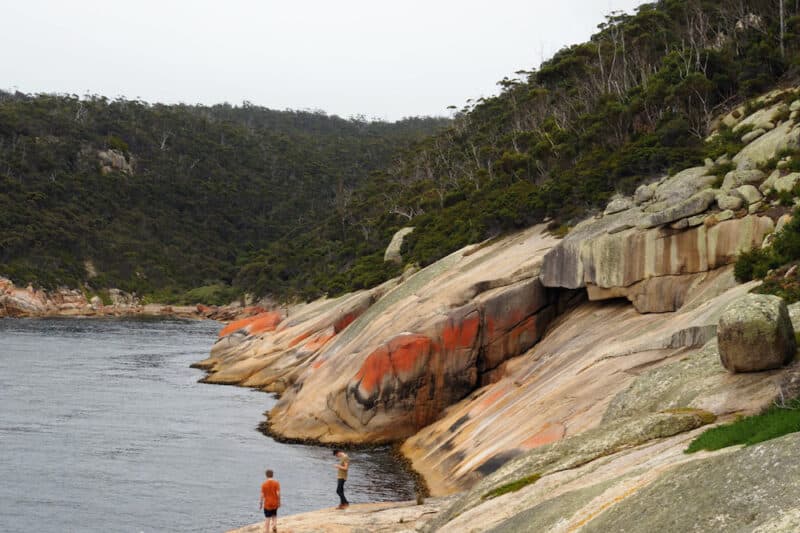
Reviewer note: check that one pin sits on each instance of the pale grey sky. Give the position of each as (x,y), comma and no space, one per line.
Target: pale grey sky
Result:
(381,59)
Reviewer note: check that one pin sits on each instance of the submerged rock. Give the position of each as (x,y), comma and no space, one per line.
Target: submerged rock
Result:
(755,333)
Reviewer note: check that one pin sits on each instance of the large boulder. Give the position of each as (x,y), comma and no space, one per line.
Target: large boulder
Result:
(393,250)
(693,205)
(728,201)
(737,178)
(787,183)
(682,185)
(620,203)
(768,145)
(755,333)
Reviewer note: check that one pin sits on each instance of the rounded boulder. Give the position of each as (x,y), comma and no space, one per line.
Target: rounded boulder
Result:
(755,333)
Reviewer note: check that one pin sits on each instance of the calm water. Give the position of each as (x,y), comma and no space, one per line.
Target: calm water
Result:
(103,427)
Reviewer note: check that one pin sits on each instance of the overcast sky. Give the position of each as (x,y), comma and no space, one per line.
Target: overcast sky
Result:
(377,58)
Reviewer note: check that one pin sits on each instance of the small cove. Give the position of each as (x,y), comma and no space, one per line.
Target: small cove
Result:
(104,427)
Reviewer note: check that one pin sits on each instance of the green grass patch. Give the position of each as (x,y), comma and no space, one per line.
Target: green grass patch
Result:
(772,423)
(514,486)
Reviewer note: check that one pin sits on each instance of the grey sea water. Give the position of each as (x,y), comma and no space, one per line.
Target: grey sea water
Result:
(103,427)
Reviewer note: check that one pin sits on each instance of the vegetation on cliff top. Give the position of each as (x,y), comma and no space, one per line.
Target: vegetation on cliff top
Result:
(634,102)
(298,204)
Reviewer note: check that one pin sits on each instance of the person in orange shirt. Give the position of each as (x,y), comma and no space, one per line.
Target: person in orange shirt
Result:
(270,501)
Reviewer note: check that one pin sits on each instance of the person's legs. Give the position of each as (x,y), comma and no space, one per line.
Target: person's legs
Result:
(266,523)
(274,520)
(340,491)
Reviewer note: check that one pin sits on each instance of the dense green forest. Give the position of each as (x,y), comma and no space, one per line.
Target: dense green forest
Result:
(199,187)
(301,205)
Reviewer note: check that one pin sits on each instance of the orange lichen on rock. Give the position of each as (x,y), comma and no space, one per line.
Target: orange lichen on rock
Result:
(398,358)
(549,432)
(461,334)
(318,341)
(344,321)
(300,338)
(236,325)
(264,322)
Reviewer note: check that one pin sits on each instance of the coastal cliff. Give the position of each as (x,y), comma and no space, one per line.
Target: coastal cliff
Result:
(585,363)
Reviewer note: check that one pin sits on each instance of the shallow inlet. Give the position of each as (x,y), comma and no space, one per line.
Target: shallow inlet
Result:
(104,427)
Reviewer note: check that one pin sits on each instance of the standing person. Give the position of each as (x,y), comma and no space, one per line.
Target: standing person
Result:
(344,464)
(270,501)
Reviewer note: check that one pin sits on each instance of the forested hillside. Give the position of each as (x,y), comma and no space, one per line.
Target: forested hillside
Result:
(280,204)
(160,199)
(633,103)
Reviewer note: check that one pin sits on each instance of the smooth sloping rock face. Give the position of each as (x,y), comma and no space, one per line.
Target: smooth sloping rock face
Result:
(576,451)
(756,488)
(379,365)
(393,250)
(423,346)
(755,333)
(565,384)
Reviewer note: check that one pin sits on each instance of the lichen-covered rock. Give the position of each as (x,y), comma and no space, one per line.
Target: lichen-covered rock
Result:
(737,178)
(753,135)
(752,489)
(15,301)
(644,193)
(786,183)
(762,116)
(693,205)
(395,245)
(415,349)
(618,204)
(114,160)
(784,136)
(755,333)
(573,452)
(749,193)
(768,184)
(696,381)
(728,201)
(682,186)
(563,385)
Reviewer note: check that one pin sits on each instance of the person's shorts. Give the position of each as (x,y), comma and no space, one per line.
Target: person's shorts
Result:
(270,512)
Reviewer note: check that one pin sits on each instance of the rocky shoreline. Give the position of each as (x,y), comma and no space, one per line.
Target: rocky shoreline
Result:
(581,366)
(28,302)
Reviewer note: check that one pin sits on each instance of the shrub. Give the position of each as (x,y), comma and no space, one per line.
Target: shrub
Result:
(753,264)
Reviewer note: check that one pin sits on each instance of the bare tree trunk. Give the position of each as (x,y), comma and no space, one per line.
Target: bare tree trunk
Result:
(783,25)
